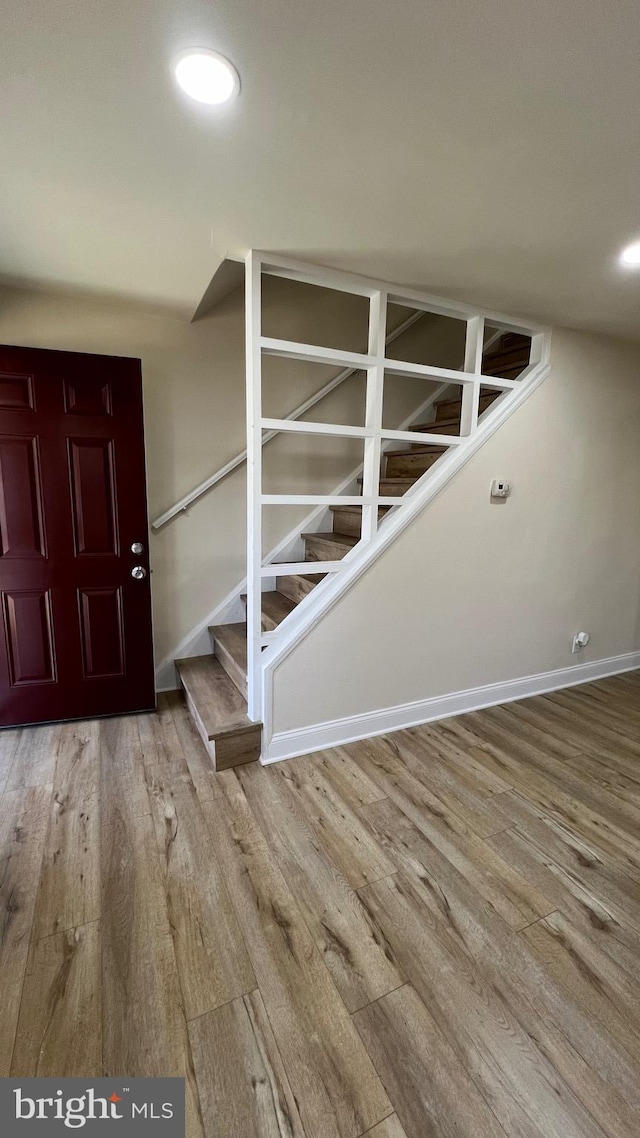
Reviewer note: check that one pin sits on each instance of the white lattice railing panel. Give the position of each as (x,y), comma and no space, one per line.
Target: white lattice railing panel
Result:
(378,367)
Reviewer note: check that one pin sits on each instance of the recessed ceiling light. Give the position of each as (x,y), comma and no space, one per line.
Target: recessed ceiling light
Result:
(206,76)
(631,255)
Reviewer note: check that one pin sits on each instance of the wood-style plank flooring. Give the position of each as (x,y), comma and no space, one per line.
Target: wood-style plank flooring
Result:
(432,934)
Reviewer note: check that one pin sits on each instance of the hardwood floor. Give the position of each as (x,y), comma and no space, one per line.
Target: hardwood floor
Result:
(432,934)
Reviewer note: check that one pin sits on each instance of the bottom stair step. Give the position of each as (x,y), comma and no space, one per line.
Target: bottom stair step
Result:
(230,648)
(219,712)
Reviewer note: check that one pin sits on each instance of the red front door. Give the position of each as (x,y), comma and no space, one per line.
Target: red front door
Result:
(75,622)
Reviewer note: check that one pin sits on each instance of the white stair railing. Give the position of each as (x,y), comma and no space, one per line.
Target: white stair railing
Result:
(377,366)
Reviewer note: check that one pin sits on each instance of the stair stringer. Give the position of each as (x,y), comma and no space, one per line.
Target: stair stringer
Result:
(310,611)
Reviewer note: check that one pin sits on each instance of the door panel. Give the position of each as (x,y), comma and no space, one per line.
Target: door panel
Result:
(75,633)
(27,618)
(20,498)
(84,397)
(92,495)
(16,392)
(102,632)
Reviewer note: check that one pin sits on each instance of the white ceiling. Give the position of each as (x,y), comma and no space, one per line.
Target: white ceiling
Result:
(483,149)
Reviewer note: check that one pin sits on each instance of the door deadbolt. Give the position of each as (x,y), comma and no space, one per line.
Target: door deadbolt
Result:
(137,547)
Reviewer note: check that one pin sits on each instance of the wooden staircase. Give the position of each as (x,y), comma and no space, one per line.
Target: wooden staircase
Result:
(215,685)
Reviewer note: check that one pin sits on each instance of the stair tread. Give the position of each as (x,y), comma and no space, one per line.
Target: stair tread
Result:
(435,425)
(221,708)
(416,448)
(334,538)
(354,509)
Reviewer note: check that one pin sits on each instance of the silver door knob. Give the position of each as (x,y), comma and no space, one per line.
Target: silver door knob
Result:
(137,548)
(139,572)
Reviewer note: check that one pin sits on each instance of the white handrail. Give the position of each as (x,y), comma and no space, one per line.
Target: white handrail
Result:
(188,500)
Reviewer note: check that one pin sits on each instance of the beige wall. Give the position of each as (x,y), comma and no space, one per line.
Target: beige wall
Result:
(194,412)
(473,592)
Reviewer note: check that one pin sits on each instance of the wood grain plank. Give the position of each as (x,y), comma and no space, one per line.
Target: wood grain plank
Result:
(243,1088)
(144,1027)
(540,737)
(481,1025)
(69,893)
(330,1073)
(349,782)
(591,978)
(604,726)
(614,777)
(580,866)
(431,1091)
(34,760)
(390,1128)
(213,965)
(9,742)
(498,882)
(23,821)
(196,757)
(122,766)
(599,1073)
(360,962)
(60,1026)
(483,782)
(583,818)
(336,826)
(453,791)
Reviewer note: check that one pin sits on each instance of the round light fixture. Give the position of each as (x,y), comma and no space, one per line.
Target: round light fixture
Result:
(206,76)
(631,255)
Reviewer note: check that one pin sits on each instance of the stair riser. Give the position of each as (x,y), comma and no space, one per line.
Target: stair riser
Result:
(237,750)
(452,408)
(392,490)
(345,522)
(350,521)
(315,549)
(295,588)
(268,624)
(230,666)
(513,360)
(505,372)
(410,465)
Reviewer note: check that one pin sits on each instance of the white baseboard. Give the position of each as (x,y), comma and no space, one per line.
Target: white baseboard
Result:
(334,733)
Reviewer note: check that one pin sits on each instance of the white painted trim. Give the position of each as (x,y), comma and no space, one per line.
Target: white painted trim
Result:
(197,642)
(337,732)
